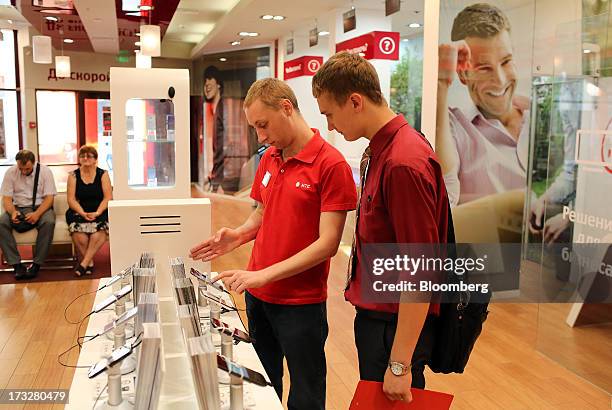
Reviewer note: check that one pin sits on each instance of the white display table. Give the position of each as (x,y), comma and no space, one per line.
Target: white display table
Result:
(177,388)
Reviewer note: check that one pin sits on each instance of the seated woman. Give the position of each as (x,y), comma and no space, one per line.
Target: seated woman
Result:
(89,190)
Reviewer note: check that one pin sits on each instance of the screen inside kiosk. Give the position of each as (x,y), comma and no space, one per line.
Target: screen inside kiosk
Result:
(151,147)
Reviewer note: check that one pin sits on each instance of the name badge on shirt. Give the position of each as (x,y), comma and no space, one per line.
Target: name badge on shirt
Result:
(266,178)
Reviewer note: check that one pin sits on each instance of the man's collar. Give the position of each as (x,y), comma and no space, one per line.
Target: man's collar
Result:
(310,151)
(471,112)
(380,140)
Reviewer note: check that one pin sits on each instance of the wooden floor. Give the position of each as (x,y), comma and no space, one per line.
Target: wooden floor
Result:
(505,370)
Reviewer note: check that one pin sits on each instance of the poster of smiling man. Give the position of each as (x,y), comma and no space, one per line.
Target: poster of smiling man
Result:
(483,120)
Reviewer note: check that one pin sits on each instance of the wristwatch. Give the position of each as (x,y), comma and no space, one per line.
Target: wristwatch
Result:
(398,368)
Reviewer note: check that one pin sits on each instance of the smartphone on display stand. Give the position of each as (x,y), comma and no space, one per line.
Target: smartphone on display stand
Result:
(112,299)
(237,334)
(218,301)
(127,315)
(204,277)
(116,356)
(244,373)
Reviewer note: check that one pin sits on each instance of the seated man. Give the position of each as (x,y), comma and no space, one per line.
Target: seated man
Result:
(22,202)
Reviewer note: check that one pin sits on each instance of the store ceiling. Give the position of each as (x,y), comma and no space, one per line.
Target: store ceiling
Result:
(102,26)
(298,14)
(189,28)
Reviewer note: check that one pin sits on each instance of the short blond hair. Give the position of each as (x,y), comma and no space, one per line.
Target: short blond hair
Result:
(271,92)
(345,73)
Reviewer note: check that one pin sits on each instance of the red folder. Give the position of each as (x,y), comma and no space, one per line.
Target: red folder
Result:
(369,396)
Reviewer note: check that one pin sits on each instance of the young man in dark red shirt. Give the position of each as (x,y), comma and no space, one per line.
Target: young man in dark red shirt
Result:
(304,188)
(403,200)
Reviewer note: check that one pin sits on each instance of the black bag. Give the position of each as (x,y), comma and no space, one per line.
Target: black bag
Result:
(23,225)
(457,327)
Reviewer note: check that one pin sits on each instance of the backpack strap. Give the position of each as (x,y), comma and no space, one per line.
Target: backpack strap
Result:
(35,185)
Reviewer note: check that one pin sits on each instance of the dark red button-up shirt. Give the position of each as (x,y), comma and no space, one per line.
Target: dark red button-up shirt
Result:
(404,199)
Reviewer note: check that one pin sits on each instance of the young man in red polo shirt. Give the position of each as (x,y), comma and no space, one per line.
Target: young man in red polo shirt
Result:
(403,200)
(304,188)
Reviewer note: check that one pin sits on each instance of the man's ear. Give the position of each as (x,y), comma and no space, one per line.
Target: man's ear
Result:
(287,107)
(356,100)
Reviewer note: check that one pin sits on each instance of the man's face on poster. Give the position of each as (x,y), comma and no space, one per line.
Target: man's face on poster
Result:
(491,79)
(211,89)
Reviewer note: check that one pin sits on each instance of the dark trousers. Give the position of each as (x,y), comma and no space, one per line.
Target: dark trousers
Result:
(374,334)
(297,333)
(45,227)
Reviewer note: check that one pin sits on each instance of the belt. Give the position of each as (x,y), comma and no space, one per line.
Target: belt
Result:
(376,315)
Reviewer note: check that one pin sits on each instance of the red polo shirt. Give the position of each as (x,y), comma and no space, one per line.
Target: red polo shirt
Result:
(294,193)
(404,199)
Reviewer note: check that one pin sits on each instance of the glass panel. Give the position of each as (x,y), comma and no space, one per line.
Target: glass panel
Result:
(57,127)
(571,185)
(98,131)
(9,127)
(407,72)
(60,175)
(227,155)
(7,56)
(3,169)
(150,135)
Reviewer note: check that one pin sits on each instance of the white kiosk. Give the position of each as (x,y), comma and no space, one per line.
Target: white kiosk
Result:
(152,208)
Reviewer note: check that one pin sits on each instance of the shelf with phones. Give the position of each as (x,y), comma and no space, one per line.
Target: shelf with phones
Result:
(175,356)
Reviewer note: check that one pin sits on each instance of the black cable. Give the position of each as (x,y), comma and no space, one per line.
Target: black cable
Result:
(134,346)
(70,304)
(67,365)
(91,337)
(99,395)
(238,311)
(79,331)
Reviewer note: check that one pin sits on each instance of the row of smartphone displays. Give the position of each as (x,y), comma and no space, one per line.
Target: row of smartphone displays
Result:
(147,344)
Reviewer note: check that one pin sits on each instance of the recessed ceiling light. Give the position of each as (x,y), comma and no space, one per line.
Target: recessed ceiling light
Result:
(405,39)
(324,33)
(235,43)
(267,17)
(223,59)
(51,18)
(587,51)
(253,34)
(278,18)
(414,25)
(137,43)
(137,34)
(68,41)
(248,34)
(9,21)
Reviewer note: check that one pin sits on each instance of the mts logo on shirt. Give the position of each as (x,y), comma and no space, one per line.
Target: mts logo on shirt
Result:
(302,185)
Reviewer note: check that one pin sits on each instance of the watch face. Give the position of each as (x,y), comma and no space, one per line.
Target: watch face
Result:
(397,369)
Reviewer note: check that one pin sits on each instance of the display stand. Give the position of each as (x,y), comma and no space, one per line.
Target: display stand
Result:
(177,387)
